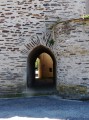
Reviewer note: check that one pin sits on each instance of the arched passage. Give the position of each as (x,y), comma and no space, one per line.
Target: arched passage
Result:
(35,59)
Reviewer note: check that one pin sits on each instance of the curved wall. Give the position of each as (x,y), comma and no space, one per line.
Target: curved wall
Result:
(72,44)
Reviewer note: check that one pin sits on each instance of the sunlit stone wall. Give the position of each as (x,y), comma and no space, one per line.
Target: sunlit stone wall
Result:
(72,47)
(23,25)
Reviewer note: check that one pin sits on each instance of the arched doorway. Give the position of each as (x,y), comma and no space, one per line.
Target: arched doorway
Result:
(41,68)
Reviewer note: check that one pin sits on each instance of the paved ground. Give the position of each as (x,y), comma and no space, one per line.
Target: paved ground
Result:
(43,107)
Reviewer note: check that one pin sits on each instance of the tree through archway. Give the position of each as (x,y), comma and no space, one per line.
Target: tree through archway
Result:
(41,68)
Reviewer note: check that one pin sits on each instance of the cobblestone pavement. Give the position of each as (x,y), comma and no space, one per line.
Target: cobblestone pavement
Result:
(43,107)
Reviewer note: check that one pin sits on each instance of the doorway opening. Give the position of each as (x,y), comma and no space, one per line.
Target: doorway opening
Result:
(41,68)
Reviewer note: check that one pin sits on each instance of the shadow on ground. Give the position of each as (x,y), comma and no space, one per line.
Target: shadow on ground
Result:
(43,107)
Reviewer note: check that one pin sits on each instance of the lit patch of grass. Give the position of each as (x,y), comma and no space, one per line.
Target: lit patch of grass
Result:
(11,95)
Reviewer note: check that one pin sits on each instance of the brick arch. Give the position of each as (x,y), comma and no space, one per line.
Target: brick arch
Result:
(31,64)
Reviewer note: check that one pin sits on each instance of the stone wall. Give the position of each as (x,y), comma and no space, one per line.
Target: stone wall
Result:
(72,46)
(24,24)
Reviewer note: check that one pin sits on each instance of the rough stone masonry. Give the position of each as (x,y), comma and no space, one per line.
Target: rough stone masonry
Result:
(23,26)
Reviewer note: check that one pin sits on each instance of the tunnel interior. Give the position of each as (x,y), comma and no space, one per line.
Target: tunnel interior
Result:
(41,68)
